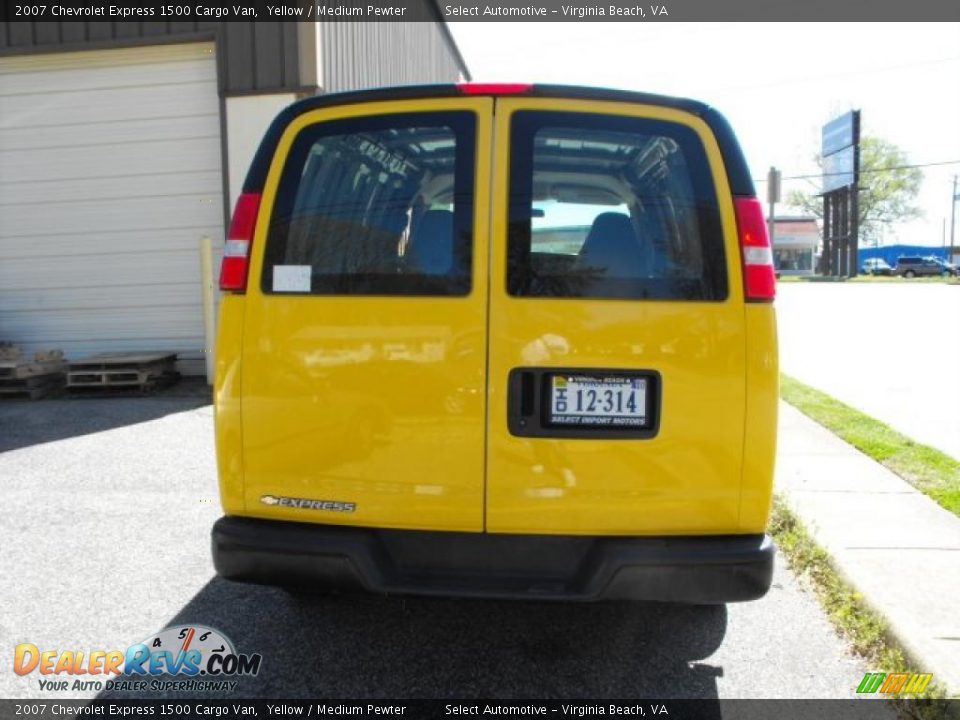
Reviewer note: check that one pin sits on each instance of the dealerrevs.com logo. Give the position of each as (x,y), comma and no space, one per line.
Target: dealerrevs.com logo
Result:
(200,657)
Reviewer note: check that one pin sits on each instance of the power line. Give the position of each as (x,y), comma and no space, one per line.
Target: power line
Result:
(876,170)
(871,170)
(850,73)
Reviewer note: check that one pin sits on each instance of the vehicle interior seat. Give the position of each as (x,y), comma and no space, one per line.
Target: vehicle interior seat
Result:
(612,248)
(430,251)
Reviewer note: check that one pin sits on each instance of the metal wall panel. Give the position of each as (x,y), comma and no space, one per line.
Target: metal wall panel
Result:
(267,45)
(101,31)
(46,33)
(268,39)
(70,32)
(236,49)
(358,55)
(20,35)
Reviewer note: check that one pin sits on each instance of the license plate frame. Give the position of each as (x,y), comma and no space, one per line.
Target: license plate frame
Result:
(530,403)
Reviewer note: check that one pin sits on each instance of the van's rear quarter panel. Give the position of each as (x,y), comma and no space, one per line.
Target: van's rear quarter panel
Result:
(228,389)
(760,432)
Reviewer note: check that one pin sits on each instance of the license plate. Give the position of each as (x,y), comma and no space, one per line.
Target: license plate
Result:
(607,401)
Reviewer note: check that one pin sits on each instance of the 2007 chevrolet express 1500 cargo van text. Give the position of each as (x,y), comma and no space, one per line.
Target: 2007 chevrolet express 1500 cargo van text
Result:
(499,341)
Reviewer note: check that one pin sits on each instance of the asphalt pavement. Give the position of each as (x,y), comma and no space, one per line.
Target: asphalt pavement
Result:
(889,349)
(104,530)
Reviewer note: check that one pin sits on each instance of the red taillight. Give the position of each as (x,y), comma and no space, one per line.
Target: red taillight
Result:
(759,282)
(236,251)
(472,88)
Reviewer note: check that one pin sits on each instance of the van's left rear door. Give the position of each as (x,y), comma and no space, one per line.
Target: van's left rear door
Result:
(363,366)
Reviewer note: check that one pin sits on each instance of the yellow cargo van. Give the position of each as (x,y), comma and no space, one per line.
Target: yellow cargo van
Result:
(499,341)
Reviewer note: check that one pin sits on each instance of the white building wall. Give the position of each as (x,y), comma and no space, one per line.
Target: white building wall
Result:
(248,118)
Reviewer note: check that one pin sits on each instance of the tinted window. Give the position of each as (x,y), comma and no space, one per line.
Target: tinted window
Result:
(375,206)
(612,207)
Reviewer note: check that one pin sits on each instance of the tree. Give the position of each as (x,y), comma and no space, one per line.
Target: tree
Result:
(887,189)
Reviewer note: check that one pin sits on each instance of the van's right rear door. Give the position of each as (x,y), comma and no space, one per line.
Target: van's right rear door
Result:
(617,331)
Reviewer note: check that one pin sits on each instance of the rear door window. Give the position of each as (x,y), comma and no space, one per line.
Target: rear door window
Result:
(379,205)
(606,206)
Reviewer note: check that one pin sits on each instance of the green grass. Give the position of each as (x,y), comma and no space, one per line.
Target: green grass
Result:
(932,472)
(864,630)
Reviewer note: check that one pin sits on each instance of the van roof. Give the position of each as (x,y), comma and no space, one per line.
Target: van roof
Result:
(738,174)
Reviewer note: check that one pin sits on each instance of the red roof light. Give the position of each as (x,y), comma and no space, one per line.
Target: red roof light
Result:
(472,88)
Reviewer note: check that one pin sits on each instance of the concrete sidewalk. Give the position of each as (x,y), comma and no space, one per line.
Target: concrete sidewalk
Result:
(895,545)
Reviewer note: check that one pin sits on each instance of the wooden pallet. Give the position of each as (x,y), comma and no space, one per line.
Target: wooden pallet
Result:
(108,391)
(9,352)
(33,387)
(130,371)
(16,370)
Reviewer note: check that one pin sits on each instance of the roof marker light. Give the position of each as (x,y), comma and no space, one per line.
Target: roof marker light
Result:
(479,88)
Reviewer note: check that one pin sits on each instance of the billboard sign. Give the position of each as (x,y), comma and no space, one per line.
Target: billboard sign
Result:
(839,133)
(840,151)
(839,169)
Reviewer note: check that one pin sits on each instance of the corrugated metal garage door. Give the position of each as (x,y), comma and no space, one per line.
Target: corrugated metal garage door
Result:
(109,177)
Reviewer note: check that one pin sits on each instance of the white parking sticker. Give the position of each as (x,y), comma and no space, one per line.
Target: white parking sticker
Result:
(291,278)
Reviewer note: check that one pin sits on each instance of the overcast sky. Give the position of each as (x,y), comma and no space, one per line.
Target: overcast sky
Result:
(777,83)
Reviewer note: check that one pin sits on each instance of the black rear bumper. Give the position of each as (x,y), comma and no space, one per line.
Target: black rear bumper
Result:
(707,570)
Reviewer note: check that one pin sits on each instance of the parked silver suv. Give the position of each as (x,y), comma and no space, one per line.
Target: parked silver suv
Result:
(916,266)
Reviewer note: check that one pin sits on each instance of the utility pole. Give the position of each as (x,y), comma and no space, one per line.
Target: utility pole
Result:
(953,216)
(773,197)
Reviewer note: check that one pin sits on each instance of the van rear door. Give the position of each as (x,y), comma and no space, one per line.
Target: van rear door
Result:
(365,320)
(617,350)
